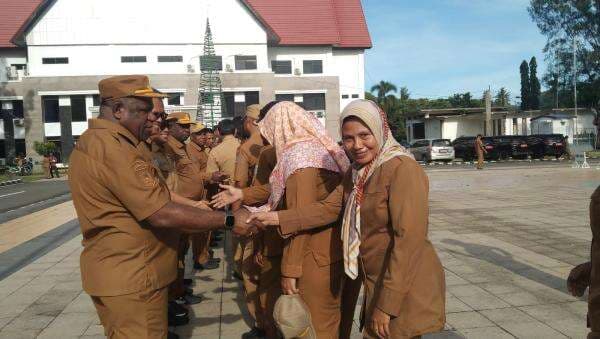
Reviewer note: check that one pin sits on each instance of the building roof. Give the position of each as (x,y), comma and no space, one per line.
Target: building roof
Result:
(339,23)
(13,15)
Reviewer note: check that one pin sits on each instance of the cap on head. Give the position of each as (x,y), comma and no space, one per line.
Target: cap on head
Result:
(123,86)
(181,118)
(197,127)
(253,111)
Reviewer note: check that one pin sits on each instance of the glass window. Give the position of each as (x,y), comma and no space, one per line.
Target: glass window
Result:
(354,96)
(419,130)
(20,146)
(170,58)
(281,66)
(314,102)
(252,98)
(78,110)
(345,96)
(96,99)
(245,62)
(52,61)
(174,99)
(440,143)
(284,97)
(211,63)
(229,107)
(135,58)
(2,150)
(50,108)
(17,110)
(313,66)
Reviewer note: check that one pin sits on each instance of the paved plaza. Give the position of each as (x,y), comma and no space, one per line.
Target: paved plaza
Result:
(507,238)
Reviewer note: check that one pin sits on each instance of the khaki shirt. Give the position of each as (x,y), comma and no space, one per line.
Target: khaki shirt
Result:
(223,156)
(247,159)
(401,271)
(198,155)
(115,188)
(190,181)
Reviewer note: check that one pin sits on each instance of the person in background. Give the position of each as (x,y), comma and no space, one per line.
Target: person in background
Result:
(53,166)
(46,166)
(384,203)
(480,150)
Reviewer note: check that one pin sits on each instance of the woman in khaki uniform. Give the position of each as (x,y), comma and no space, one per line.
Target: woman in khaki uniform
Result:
(308,169)
(385,223)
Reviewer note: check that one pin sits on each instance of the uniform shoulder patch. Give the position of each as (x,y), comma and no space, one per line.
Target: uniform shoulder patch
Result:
(146,173)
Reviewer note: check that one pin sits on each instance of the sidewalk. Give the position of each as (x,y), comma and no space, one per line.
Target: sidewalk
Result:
(507,242)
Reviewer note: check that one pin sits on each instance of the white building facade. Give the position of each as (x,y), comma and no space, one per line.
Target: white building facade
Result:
(65,47)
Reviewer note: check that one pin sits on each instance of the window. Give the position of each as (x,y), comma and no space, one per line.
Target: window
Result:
(440,143)
(314,102)
(419,130)
(284,97)
(19,67)
(245,62)
(174,99)
(96,99)
(170,58)
(354,96)
(53,61)
(78,110)
(211,63)
(50,108)
(251,98)
(229,107)
(281,66)
(136,58)
(17,110)
(345,96)
(313,66)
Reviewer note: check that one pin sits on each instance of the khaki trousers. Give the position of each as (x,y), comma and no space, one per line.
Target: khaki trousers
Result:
(250,274)
(141,315)
(201,247)
(321,290)
(269,290)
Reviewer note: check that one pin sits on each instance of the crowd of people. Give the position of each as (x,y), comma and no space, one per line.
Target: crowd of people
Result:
(315,221)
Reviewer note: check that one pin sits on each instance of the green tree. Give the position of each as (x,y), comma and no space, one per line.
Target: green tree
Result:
(44,148)
(534,85)
(383,88)
(502,98)
(525,86)
(404,94)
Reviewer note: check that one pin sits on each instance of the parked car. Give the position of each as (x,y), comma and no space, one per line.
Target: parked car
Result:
(541,145)
(511,146)
(432,150)
(464,148)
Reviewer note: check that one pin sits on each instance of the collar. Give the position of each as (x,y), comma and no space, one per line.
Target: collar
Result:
(175,143)
(196,146)
(114,128)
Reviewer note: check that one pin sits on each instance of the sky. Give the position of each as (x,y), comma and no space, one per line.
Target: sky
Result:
(440,47)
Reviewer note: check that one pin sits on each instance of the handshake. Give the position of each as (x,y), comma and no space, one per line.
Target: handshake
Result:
(246,223)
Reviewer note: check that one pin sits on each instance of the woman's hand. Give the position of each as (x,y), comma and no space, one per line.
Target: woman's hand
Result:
(380,323)
(259,259)
(579,279)
(227,197)
(264,219)
(288,285)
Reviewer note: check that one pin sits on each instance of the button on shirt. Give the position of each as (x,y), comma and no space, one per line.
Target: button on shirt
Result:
(115,188)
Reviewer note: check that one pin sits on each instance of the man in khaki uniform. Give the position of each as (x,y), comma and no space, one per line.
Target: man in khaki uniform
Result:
(247,159)
(196,148)
(127,218)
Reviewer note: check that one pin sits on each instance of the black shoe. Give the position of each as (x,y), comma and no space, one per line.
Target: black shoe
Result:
(210,265)
(177,315)
(172,335)
(254,333)
(188,282)
(189,299)
(217,260)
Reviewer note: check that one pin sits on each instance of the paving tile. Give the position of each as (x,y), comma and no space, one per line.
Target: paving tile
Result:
(491,332)
(536,330)
(467,320)
(507,315)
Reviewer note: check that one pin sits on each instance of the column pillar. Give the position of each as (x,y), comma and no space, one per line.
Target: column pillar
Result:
(66,127)
(9,131)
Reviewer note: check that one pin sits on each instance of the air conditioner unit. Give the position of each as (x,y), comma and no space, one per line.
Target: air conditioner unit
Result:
(228,68)
(12,72)
(190,69)
(297,71)
(19,122)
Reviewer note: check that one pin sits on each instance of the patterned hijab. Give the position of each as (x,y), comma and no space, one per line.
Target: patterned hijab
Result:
(300,141)
(375,119)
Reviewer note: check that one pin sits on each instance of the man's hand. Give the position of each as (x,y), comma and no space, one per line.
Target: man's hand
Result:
(217,177)
(380,323)
(227,197)
(241,228)
(288,285)
(579,279)
(263,219)
(259,259)
(203,205)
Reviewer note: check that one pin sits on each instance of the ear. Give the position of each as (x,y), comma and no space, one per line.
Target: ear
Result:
(118,109)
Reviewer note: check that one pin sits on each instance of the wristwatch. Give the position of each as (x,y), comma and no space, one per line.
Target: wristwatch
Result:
(229,219)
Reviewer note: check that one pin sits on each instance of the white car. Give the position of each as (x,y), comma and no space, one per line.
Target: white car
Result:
(432,150)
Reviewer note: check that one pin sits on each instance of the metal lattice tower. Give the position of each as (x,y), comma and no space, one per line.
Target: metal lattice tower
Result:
(210,94)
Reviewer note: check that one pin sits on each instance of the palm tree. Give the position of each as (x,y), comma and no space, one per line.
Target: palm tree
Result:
(404,94)
(382,89)
(502,97)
